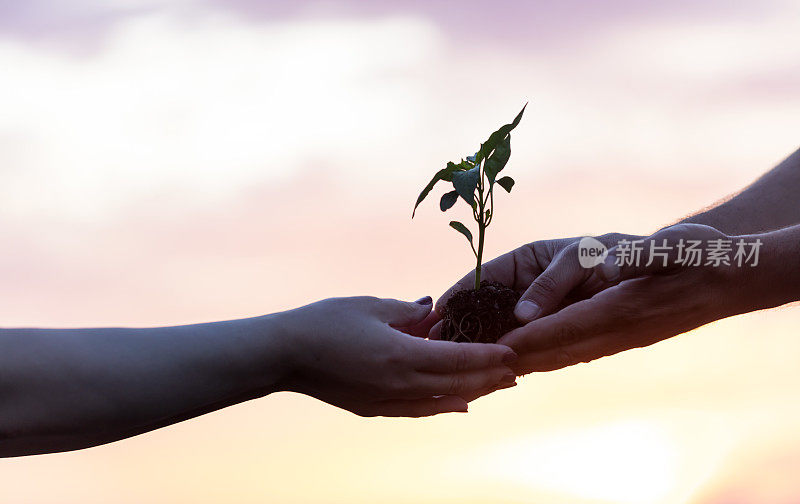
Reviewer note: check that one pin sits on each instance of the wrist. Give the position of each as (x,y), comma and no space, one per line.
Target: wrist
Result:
(258,353)
(293,348)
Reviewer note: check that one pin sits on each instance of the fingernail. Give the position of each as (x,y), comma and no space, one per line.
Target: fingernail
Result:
(508,378)
(424,300)
(527,310)
(610,270)
(510,357)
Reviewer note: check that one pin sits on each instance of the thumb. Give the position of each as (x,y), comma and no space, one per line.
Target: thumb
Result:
(403,313)
(550,288)
(421,329)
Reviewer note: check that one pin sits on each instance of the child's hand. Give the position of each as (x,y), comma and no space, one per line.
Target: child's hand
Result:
(347,352)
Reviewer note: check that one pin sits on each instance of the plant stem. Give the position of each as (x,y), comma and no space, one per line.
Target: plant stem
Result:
(481,226)
(481,233)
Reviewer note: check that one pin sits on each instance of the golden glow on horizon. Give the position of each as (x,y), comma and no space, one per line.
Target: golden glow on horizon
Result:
(625,462)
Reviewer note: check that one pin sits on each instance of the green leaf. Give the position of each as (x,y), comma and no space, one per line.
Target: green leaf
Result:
(443,174)
(498,159)
(506,183)
(448,200)
(451,167)
(465,183)
(461,228)
(495,138)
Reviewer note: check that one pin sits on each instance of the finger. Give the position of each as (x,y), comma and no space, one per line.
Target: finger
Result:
(436,331)
(586,350)
(424,384)
(620,318)
(416,408)
(422,329)
(469,397)
(582,352)
(571,325)
(581,332)
(450,357)
(548,290)
(403,313)
(573,335)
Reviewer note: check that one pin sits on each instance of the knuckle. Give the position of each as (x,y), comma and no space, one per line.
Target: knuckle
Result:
(456,385)
(367,300)
(671,233)
(565,358)
(567,335)
(544,287)
(609,238)
(460,359)
(355,303)
(626,311)
(408,310)
(394,358)
(687,230)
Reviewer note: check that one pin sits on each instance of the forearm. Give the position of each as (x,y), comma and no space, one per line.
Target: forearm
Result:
(767,204)
(70,389)
(775,281)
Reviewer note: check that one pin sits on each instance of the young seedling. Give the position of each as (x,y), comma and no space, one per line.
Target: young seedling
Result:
(474,180)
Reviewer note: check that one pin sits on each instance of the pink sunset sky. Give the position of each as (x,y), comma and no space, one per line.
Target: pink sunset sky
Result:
(175,162)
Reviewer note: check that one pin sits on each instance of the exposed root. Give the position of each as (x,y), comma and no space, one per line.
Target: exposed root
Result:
(480,316)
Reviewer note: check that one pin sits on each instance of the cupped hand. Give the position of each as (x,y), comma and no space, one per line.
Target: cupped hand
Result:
(639,302)
(522,270)
(350,353)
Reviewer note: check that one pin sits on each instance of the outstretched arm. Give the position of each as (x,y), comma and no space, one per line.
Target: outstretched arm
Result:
(769,203)
(73,388)
(65,389)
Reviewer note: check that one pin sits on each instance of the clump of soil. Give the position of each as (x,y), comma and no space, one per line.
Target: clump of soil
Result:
(480,316)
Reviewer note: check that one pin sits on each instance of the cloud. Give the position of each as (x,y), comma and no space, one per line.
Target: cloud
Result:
(206,106)
(77,26)
(555,22)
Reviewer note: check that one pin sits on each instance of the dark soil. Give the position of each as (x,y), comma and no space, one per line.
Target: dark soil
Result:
(480,316)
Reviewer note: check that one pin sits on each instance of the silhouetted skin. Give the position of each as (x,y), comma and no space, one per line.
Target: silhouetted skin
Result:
(573,314)
(65,389)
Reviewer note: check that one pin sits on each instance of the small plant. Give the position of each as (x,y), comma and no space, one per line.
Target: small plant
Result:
(474,180)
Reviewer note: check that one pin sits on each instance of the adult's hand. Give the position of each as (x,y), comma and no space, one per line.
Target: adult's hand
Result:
(522,270)
(348,353)
(639,303)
